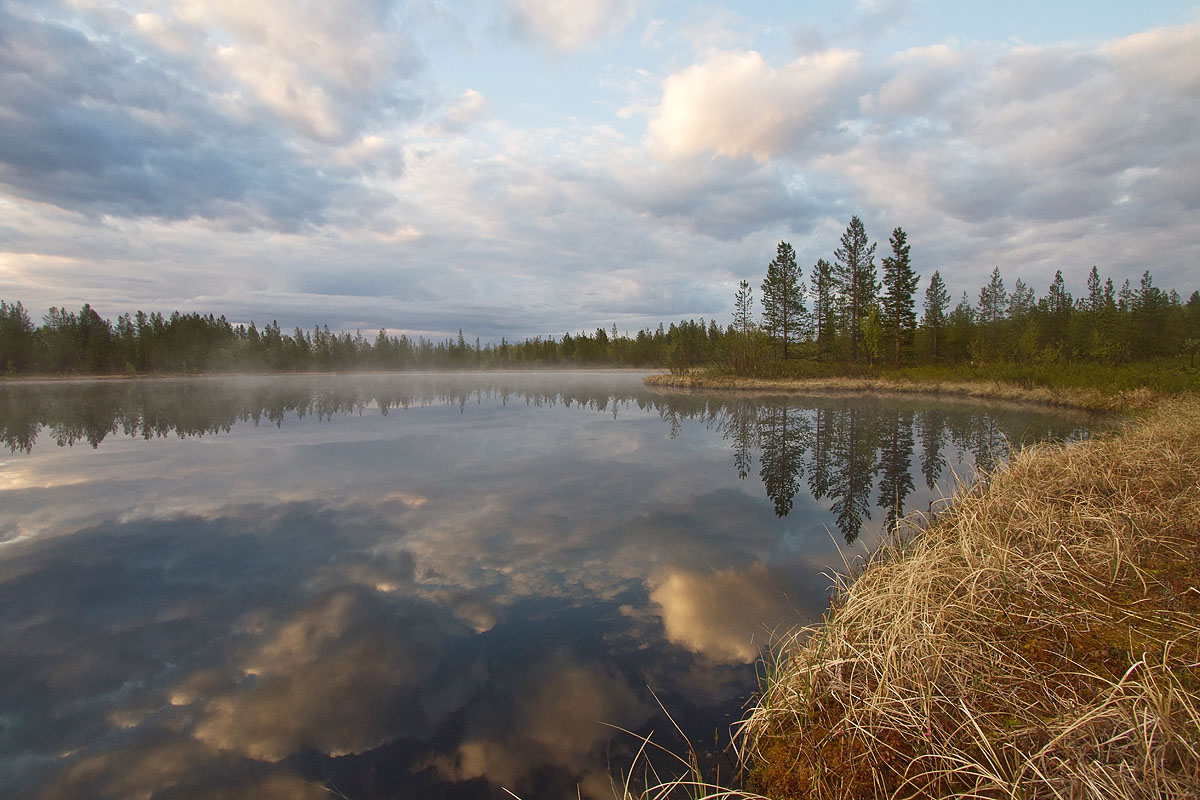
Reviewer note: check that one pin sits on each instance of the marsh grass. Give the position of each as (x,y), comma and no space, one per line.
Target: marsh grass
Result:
(1038,638)
(1105,400)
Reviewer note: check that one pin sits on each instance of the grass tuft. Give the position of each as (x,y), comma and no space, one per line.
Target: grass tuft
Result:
(1039,638)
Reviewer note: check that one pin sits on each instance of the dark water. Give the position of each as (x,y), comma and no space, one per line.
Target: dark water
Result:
(422,585)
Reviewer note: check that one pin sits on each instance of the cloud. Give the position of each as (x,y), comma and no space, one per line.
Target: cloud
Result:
(312,64)
(278,162)
(559,717)
(157,119)
(726,615)
(809,38)
(326,678)
(722,198)
(878,18)
(567,25)
(919,79)
(734,103)
(981,153)
(179,766)
(465,112)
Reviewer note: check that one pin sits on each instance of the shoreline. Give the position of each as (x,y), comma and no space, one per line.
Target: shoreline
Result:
(1092,400)
(190,376)
(1040,635)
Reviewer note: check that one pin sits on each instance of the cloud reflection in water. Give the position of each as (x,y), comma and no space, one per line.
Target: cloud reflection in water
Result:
(450,597)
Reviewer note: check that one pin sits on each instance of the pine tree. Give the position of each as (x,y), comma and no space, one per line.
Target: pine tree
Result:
(899,316)
(741,340)
(783,298)
(1094,307)
(856,280)
(743,309)
(937,300)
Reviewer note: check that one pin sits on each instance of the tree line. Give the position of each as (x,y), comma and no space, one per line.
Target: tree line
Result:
(849,314)
(83,342)
(846,316)
(92,411)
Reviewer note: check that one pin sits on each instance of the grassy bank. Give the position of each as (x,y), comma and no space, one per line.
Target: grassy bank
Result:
(1039,638)
(1114,400)
(1094,387)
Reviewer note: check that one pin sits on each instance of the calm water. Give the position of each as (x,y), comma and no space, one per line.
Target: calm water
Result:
(422,585)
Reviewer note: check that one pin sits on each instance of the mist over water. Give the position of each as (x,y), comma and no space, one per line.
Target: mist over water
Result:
(422,585)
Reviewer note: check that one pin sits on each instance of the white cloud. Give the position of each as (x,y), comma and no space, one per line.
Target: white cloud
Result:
(734,103)
(311,63)
(919,79)
(1163,57)
(567,25)
(728,615)
(467,110)
(1034,158)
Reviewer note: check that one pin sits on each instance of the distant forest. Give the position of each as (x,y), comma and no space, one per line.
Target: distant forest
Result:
(846,316)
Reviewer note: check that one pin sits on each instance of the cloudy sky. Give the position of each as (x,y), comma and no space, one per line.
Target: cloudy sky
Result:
(526,167)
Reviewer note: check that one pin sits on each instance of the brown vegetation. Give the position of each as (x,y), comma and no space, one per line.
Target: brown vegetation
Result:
(1039,638)
(1090,399)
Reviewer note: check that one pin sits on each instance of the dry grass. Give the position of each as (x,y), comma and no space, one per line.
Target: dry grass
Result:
(1089,399)
(1040,638)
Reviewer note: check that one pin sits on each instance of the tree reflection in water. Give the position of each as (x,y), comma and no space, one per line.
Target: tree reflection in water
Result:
(845,444)
(842,444)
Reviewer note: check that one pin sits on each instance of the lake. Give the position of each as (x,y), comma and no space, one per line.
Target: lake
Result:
(425,585)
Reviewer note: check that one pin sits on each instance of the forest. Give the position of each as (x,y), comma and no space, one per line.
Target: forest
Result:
(848,317)
(850,314)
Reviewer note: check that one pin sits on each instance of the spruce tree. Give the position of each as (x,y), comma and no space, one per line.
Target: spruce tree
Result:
(900,281)
(992,305)
(937,300)
(1057,306)
(824,302)
(856,280)
(783,298)
(992,299)
(1020,302)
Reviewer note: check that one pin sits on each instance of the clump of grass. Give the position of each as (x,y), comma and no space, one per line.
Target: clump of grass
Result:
(1039,638)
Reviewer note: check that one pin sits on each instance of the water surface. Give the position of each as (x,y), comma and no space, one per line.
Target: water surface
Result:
(423,585)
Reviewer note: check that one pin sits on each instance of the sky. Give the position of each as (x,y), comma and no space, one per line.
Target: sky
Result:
(536,167)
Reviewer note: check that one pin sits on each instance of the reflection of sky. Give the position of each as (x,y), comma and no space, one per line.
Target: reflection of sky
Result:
(386,603)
